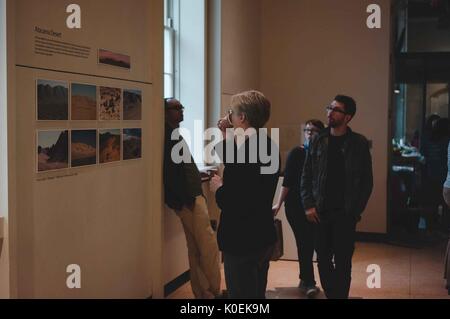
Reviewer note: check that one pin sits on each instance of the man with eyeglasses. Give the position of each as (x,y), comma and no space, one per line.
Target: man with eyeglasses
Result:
(336,185)
(183,193)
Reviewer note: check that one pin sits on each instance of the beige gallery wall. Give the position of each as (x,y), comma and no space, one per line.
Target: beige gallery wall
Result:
(300,54)
(241,47)
(313,50)
(104,218)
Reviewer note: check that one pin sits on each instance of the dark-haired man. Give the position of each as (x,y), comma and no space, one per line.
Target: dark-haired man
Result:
(183,193)
(336,185)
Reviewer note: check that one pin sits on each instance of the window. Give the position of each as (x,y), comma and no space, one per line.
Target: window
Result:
(185,66)
(170,40)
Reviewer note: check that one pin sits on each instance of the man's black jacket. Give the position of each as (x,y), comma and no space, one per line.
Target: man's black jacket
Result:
(358,172)
(176,194)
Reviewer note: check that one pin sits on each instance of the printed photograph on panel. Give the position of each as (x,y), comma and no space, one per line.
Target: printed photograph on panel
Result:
(110,101)
(83,102)
(83,148)
(132,105)
(132,143)
(52,150)
(110,145)
(114,59)
(52,100)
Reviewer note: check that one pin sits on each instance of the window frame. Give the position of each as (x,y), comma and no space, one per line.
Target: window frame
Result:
(171,48)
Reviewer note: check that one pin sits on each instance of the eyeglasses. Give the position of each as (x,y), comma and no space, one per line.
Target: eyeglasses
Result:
(230,113)
(334,109)
(310,131)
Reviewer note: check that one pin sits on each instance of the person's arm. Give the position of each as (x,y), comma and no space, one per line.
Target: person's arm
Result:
(216,182)
(216,187)
(366,185)
(309,202)
(283,194)
(289,175)
(173,176)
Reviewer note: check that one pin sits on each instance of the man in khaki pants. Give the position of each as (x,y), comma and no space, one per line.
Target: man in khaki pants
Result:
(183,193)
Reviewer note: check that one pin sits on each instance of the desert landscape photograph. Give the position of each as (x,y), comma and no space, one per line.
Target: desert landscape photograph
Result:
(110,102)
(83,102)
(52,150)
(110,145)
(114,59)
(132,143)
(52,100)
(83,148)
(132,105)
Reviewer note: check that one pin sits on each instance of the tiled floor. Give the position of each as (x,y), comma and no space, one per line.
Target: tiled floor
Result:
(405,273)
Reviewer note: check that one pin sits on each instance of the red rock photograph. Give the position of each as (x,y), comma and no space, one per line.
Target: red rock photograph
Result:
(83,147)
(132,143)
(83,102)
(110,145)
(114,59)
(52,150)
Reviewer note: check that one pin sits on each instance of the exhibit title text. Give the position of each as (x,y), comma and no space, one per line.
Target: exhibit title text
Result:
(48,32)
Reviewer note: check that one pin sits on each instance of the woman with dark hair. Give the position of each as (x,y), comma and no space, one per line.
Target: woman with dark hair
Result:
(295,213)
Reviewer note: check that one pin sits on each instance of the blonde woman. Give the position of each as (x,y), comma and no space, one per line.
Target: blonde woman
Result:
(246,231)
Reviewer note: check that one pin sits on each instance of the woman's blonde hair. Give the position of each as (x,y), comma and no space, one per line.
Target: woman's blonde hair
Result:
(254,105)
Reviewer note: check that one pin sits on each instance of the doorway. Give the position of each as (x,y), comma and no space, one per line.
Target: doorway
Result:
(420,97)
(417,106)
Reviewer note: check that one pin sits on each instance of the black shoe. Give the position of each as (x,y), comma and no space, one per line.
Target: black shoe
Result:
(223,295)
(303,287)
(312,291)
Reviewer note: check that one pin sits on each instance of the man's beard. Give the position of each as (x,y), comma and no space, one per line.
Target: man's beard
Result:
(333,123)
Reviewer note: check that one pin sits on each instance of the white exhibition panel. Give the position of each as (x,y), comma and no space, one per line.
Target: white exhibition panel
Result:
(100,216)
(175,253)
(94,216)
(120,26)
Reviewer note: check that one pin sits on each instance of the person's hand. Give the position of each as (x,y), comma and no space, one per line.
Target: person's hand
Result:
(215,183)
(276,209)
(312,216)
(223,124)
